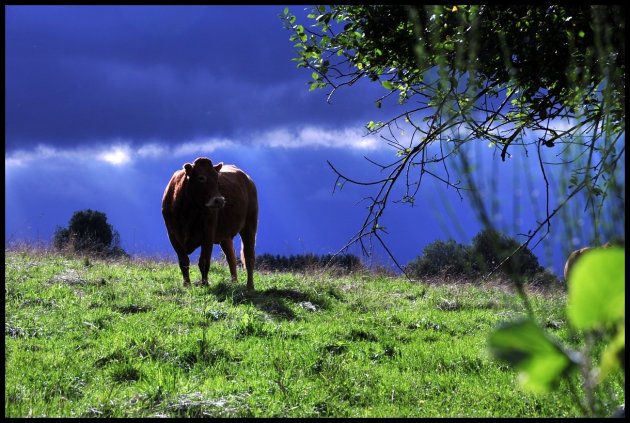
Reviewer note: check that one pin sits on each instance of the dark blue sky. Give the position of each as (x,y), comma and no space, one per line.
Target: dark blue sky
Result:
(80,75)
(104,103)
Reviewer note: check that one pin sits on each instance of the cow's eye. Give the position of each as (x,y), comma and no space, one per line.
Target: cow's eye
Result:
(201,178)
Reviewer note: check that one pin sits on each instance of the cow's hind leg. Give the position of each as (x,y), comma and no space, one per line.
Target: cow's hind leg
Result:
(228,249)
(248,254)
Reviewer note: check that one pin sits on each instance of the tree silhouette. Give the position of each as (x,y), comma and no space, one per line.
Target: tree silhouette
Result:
(89,232)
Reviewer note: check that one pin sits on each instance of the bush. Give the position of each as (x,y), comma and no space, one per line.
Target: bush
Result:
(88,232)
(488,249)
(494,247)
(446,258)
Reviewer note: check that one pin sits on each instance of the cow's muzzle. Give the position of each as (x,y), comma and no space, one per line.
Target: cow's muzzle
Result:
(216,203)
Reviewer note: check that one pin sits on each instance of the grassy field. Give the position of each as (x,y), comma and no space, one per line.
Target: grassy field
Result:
(87,338)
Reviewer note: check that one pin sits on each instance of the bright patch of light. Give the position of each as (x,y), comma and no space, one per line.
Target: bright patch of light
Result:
(117,156)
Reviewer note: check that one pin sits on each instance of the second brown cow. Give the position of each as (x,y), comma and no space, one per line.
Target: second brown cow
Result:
(206,204)
(573,257)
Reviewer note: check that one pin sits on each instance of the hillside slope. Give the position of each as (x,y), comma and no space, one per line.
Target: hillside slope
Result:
(126,339)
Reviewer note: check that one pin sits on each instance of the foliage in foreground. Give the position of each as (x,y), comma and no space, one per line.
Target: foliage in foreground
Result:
(596,307)
(125,339)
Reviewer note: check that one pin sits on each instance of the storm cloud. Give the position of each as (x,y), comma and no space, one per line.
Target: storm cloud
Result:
(95,74)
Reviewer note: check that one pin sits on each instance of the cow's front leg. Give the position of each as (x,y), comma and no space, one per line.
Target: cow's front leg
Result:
(184,264)
(204,262)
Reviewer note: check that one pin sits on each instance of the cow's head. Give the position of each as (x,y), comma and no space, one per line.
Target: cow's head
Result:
(203,183)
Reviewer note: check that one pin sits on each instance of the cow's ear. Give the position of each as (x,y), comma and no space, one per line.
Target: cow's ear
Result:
(218,167)
(189,169)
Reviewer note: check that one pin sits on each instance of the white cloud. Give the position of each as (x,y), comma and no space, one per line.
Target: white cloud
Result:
(152,150)
(275,138)
(311,136)
(115,155)
(119,152)
(41,152)
(201,147)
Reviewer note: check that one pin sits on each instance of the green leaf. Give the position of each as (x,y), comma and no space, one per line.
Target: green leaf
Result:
(403,152)
(387,85)
(540,360)
(315,76)
(372,126)
(597,290)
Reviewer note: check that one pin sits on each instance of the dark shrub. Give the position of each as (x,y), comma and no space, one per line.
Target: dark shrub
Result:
(306,262)
(489,248)
(495,247)
(446,258)
(88,232)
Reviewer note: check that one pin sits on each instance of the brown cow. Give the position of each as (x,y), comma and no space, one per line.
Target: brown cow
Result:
(574,256)
(205,205)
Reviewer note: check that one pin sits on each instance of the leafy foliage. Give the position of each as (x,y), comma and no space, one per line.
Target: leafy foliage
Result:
(519,76)
(596,305)
(522,49)
(89,232)
(597,299)
(539,357)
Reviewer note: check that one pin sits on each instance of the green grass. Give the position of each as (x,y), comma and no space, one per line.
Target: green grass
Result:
(126,339)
